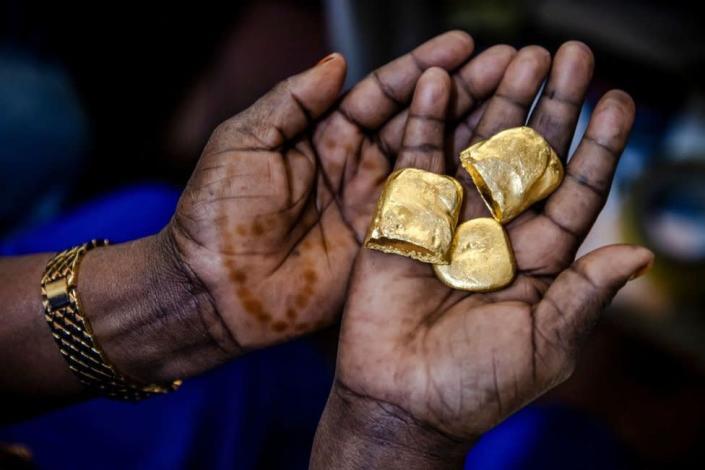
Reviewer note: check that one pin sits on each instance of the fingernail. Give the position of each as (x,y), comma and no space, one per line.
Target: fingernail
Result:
(327,58)
(643,270)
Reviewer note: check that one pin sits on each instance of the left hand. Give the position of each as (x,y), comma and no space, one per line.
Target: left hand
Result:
(452,364)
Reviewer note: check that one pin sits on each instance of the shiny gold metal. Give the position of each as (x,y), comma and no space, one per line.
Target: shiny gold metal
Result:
(416,215)
(481,258)
(74,337)
(512,170)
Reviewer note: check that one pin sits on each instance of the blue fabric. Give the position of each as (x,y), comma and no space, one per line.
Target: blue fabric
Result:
(548,437)
(260,411)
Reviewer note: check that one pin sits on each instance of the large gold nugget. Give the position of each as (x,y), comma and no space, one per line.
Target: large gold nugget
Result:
(416,215)
(512,170)
(481,257)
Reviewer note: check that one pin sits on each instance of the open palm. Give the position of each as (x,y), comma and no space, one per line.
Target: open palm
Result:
(460,361)
(274,214)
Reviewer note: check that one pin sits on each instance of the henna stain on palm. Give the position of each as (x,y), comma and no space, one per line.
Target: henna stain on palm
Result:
(271,223)
(368,165)
(253,306)
(257,228)
(280,326)
(237,276)
(303,326)
(302,298)
(291,314)
(310,276)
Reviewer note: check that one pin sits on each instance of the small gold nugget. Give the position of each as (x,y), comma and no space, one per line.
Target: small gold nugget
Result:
(512,170)
(481,257)
(416,215)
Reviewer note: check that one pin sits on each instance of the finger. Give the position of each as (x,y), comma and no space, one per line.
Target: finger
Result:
(508,107)
(573,208)
(573,303)
(472,84)
(386,90)
(557,111)
(287,110)
(510,104)
(478,79)
(462,134)
(422,146)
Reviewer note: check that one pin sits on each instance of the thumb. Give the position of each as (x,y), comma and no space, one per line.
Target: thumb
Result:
(573,303)
(290,107)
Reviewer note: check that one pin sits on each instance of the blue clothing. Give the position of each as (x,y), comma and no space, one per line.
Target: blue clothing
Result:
(257,412)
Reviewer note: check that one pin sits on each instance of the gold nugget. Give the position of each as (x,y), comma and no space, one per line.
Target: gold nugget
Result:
(481,257)
(512,170)
(416,215)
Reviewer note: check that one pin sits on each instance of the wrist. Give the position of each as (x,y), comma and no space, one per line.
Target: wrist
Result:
(145,313)
(360,432)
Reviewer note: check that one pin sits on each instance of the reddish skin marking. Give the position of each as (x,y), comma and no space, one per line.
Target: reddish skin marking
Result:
(368,165)
(271,223)
(238,276)
(301,300)
(252,305)
(310,276)
(279,326)
(291,314)
(264,317)
(303,326)
(257,228)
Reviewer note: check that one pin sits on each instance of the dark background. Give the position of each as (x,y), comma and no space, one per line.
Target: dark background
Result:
(96,96)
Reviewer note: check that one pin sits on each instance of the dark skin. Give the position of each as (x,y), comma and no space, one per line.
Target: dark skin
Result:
(424,370)
(261,247)
(267,230)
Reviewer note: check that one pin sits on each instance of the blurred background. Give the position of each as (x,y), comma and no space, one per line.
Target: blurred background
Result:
(104,109)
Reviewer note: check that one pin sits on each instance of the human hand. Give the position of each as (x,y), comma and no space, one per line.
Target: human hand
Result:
(278,205)
(423,370)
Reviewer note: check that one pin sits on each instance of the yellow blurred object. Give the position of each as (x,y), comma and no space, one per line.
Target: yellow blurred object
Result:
(481,258)
(512,170)
(416,216)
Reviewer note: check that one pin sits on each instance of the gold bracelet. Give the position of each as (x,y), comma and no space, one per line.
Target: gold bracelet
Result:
(74,336)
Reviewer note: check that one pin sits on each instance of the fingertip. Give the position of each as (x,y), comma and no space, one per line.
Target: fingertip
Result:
(432,93)
(537,54)
(435,77)
(612,119)
(617,263)
(463,37)
(621,98)
(578,49)
(334,60)
(502,50)
(643,260)
(447,50)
